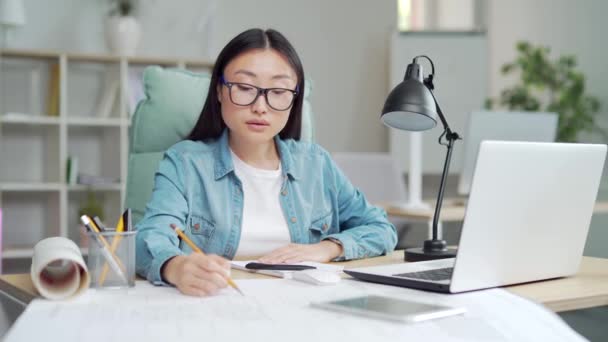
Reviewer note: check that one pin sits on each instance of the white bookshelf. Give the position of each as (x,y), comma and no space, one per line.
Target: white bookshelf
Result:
(35,198)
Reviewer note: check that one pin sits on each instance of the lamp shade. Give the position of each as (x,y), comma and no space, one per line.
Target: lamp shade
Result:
(12,12)
(410,106)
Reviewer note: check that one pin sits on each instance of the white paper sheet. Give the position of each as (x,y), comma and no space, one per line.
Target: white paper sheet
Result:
(278,310)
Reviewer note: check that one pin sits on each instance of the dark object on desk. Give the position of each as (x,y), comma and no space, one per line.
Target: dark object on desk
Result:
(412,106)
(277,267)
(127,220)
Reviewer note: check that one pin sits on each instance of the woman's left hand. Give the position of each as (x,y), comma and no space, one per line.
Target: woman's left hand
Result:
(323,251)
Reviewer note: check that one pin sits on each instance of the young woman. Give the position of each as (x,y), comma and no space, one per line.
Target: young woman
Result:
(242,184)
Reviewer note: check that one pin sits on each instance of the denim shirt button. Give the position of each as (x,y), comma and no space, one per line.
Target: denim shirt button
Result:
(324,226)
(293,219)
(197,226)
(284,192)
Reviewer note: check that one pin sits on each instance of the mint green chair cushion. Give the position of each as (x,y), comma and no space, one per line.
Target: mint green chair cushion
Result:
(174,99)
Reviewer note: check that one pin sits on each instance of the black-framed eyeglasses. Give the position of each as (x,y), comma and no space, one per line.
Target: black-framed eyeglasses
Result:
(244,94)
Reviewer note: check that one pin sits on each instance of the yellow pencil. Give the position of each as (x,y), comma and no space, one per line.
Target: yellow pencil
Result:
(115,240)
(198,250)
(117,265)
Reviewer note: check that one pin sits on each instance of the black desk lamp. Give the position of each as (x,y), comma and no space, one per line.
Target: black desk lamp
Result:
(412,106)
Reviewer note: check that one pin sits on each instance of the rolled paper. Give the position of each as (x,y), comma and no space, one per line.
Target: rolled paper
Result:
(58,269)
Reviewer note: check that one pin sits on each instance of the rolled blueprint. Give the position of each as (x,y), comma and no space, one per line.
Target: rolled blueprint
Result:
(58,269)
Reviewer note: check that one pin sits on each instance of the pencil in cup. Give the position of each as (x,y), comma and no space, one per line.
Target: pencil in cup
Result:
(124,224)
(113,260)
(115,241)
(189,242)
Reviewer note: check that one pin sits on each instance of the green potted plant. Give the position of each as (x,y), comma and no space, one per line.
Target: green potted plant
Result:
(123,31)
(547,85)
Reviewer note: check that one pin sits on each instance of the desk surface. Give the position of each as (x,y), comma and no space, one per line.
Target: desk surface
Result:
(588,288)
(453,210)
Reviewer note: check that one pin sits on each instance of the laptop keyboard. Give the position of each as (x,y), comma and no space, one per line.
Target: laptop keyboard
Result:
(436,274)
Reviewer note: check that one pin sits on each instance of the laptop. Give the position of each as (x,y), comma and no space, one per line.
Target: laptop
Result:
(527,219)
(506,126)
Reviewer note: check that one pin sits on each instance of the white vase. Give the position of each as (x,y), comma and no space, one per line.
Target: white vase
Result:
(122,35)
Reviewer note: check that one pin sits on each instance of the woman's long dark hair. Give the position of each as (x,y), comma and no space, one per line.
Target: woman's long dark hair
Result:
(210,124)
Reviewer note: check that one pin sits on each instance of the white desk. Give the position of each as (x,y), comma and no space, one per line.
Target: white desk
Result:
(588,288)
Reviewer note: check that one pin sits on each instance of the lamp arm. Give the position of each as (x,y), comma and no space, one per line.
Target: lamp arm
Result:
(451,138)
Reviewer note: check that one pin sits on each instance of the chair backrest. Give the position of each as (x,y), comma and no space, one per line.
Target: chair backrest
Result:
(375,174)
(173,102)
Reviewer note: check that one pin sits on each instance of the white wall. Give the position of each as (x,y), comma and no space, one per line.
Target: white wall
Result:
(567,27)
(460,87)
(343,45)
(457,15)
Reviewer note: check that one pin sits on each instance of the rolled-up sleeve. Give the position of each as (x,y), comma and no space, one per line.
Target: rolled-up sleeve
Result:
(156,242)
(364,229)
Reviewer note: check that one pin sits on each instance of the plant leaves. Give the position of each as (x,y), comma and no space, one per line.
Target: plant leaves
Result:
(547,85)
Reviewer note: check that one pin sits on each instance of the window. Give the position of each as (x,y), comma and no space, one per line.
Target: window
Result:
(441,15)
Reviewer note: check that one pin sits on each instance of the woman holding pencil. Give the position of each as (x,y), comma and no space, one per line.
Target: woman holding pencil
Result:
(243,185)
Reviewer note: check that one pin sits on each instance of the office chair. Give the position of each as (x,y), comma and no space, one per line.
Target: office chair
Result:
(173,102)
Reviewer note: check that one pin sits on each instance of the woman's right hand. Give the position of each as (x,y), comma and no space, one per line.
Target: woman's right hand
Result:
(197,274)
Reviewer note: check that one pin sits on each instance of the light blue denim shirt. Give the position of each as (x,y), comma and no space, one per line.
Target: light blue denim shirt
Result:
(196,189)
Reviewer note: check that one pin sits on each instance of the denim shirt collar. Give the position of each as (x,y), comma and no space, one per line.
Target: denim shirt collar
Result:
(223,159)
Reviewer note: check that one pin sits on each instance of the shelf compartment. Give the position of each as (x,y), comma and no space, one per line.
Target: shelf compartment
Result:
(29,217)
(30,154)
(97,150)
(93,89)
(25,86)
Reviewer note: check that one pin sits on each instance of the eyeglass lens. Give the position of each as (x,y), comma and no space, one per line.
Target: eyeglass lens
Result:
(243,95)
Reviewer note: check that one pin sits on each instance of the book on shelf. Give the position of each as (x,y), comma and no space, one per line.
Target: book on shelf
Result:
(108,98)
(92,180)
(72,170)
(133,92)
(52,100)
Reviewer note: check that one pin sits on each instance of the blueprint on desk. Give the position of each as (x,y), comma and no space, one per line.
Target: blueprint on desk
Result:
(279,310)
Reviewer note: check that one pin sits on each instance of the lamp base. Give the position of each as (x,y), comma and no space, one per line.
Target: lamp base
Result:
(433,249)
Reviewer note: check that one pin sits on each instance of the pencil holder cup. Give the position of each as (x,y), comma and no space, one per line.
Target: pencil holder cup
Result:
(111,260)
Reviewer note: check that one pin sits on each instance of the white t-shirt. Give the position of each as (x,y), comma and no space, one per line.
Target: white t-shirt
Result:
(264,227)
